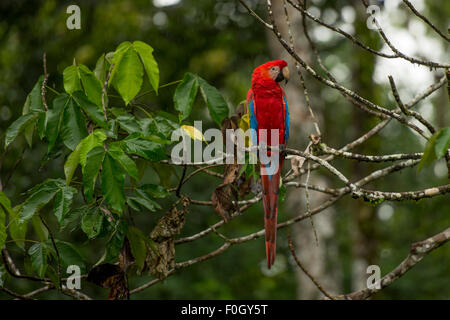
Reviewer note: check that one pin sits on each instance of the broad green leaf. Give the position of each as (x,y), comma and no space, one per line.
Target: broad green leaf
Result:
(39,198)
(2,227)
(55,119)
(92,221)
(19,126)
(145,201)
(78,156)
(101,69)
(63,201)
(193,132)
(34,103)
(115,243)
(442,142)
(150,64)
(117,57)
(185,94)
(95,139)
(137,245)
(94,160)
(29,130)
(5,202)
(37,104)
(95,112)
(71,78)
(129,123)
(73,128)
(125,161)
(38,253)
(17,228)
(139,145)
(39,228)
(218,108)
(111,129)
(155,191)
(92,86)
(113,180)
(162,124)
(129,75)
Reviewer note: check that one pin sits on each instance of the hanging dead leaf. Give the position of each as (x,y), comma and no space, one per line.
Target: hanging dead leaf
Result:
(161,249)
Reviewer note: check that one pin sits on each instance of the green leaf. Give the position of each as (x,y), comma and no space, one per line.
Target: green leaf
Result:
(94,160)
(139,145)
(218,108)
(39,198)
(17,228)
(29,130)
(5,202)
(39,228)
(101,68)
(129,75)
(74,125)
(435,148)
(92,86)
(117,57)
(37,104)
(137,245)
(2,228)
(55,119)
(129,123)
(113,180)
(71,79)
(68,253)
(34,103)
(5,205)
(95,112)
(125,161)
(150,64)
(145,201)
(19,126)
(185,94)
(38,253)
(442,142)
(115,243)
(78,156)
(63,201)
(92,221)
(156,191)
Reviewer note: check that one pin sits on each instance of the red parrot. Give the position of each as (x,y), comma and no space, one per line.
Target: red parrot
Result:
(267,108)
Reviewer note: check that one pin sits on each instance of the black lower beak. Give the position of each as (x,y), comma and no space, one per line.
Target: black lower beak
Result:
(280,77)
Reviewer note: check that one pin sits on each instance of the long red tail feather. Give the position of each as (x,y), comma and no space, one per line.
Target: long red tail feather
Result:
(270,188)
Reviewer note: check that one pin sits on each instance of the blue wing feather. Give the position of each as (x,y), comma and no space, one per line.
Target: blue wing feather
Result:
(286,120)
(253,122)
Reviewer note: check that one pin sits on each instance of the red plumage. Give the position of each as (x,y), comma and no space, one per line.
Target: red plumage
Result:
(270,112)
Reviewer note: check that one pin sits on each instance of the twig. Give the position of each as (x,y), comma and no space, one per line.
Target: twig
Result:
(406,111)
(301,266)
(44,82)
(104,90)
(417,13)
(417,252)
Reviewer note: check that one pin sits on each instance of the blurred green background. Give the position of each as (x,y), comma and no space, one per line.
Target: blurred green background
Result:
(223,44)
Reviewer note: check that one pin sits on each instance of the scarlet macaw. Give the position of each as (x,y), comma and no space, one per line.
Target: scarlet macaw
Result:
(267,108)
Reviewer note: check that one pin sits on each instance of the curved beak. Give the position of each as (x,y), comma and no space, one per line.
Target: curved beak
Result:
(286,74)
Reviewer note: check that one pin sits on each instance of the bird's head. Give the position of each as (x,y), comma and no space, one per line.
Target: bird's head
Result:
(276,70)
